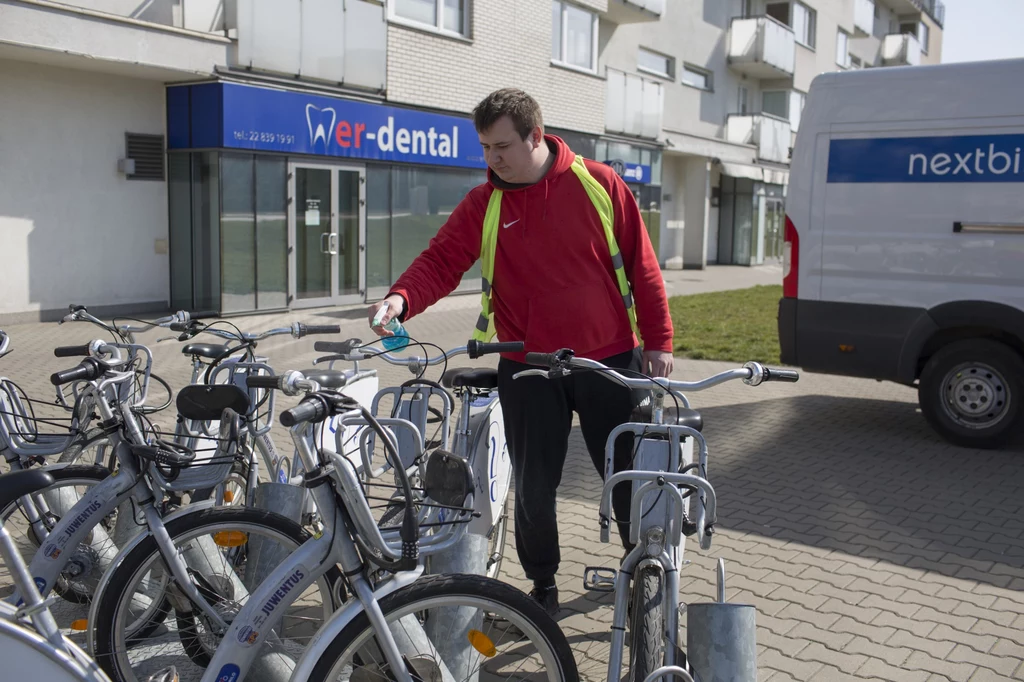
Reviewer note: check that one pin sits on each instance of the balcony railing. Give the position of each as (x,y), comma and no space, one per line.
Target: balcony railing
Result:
(864,17)
(332,41)
(901,49)
(633,104)
(770,134)
(762,47)
(206,16)
(936,9)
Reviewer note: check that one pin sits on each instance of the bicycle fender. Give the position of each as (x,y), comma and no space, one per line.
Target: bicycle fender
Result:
(330,630)
(101,587)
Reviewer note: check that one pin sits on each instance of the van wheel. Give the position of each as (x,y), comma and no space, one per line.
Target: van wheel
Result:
(971,392)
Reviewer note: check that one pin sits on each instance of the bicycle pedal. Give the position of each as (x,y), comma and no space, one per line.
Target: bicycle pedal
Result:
(599,579)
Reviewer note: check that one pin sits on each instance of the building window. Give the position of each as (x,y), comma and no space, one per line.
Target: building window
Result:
(573,36)
(804,24)
(855,62)
(743,99)
(923,35)
(446,16)
(798,16)
(843,49)
(787,104)
(656,64)
(697,77)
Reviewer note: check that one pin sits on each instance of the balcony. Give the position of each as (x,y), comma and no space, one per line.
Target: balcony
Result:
(206,16)
(761,47)
(863,18)
(936,9)
(901,49)
(634,11)
(771,135)
(344,43)
(633,105)
(159,40)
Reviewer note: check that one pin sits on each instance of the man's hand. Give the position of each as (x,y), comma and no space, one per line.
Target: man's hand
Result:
(657,363)
(396,304)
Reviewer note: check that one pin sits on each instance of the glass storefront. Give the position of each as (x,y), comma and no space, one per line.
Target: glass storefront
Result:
(750,222)
(230,228)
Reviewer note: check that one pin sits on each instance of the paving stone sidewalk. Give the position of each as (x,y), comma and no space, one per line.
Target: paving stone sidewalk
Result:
(872,549)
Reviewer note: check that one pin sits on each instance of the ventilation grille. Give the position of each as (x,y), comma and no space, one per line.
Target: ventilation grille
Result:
(148,153)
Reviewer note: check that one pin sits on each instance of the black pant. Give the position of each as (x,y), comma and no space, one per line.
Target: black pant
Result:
(538,419)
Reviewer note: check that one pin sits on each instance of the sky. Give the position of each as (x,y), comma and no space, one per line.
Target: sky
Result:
(982,29)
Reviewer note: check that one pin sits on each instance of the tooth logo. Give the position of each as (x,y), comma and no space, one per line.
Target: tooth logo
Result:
(315,119)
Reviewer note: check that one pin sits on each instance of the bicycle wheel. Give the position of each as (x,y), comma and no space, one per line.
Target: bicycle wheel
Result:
(91,447)
(455,626)
(87,561)
(228,552)
(496,551)
(646,651)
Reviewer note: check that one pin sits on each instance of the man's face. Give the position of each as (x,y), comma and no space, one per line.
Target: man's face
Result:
(507,154)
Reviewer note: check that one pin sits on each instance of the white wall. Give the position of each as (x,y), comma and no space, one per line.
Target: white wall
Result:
(75,230)
(697,202)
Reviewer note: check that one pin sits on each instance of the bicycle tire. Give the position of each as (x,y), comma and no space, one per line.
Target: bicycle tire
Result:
(74,451)
(455,585)
(105,626)
(498,543)
(647,650)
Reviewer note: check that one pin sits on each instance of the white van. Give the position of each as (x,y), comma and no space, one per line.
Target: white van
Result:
(904,239)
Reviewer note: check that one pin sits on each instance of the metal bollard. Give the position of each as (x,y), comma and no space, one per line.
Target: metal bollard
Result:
(450,631)
(721,638)
(280,498)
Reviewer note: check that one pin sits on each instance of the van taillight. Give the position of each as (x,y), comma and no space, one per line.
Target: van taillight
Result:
(790,260)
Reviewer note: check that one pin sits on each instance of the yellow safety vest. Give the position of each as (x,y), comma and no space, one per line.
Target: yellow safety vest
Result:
(489,243)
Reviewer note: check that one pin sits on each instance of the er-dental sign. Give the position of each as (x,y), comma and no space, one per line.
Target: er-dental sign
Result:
(265,119)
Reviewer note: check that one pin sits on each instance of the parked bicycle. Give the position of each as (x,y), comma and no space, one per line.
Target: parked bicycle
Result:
(404,628)
(479,435)
(663,479)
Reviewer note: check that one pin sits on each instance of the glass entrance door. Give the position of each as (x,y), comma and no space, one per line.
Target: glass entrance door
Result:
(327,232)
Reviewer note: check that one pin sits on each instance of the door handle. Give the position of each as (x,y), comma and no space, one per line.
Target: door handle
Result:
(324,242)
(333,241)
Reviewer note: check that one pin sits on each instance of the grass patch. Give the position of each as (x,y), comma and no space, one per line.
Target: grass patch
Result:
(733,326)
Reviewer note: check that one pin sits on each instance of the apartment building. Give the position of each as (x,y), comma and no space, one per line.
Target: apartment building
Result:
(734,75)
(257,155)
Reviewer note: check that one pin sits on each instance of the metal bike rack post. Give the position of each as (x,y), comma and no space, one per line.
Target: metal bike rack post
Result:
(721,638)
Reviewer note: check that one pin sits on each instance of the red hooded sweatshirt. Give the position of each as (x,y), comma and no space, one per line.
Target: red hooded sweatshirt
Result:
(554,283)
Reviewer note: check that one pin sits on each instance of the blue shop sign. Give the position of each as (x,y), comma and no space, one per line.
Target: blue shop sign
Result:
(234,116)
(631,172)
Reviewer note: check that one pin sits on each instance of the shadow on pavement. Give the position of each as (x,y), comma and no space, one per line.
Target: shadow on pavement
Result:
(867,478)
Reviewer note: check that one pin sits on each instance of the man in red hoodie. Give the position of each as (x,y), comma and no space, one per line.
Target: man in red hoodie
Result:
(553,285)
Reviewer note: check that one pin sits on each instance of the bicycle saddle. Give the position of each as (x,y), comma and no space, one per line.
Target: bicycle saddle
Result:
(470,377)
(210,351)
(327,378)
(19,483)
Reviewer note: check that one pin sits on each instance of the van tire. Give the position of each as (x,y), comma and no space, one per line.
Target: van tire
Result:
(956,407)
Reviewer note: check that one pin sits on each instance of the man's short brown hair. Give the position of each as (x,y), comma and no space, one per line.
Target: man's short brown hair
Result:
(512,102)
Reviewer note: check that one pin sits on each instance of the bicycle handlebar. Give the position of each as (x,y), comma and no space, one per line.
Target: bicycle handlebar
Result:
(352,350)
(297,329)
(318,406)
(562,363)
(89,369)
(72,351)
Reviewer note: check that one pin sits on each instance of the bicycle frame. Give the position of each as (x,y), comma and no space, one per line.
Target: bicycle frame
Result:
(264,609)
(102,499)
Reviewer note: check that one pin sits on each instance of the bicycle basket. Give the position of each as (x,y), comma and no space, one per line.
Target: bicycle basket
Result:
(214,457)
